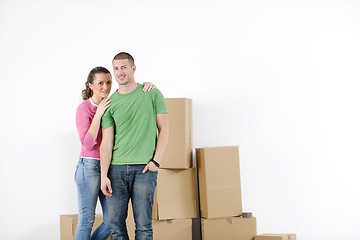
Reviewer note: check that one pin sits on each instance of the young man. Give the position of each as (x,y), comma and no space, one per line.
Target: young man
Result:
(135,133)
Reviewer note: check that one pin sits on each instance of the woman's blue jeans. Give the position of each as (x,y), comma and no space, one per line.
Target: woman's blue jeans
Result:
(87,178)
(128,182)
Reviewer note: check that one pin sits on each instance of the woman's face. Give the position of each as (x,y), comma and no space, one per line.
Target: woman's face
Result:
(101,85)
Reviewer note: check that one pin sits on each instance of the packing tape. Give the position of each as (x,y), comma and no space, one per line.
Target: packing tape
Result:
(246,214)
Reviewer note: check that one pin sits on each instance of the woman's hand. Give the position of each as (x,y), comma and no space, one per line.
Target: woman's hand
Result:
(148,86)
(103,105)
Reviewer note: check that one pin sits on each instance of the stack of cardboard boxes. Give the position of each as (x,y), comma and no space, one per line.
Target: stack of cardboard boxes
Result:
(175,197)
(175,194)
(220,195)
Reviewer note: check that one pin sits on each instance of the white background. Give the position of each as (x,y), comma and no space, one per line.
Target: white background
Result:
(280,79)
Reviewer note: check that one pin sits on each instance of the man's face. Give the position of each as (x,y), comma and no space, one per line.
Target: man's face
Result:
(123,71)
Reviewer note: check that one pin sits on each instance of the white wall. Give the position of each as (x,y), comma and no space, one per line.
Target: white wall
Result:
(278,78)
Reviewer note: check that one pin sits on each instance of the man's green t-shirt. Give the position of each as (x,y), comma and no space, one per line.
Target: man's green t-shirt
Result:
(133,116)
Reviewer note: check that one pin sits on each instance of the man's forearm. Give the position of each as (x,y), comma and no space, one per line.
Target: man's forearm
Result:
(161,144)
(106,148)
(105,156)
(105,159)
(162,123)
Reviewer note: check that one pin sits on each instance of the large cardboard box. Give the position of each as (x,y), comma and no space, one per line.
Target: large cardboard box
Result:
(68,224)
(219,181)
(175,229)
(275,237)
(174,195)
(178,153)
(232,228)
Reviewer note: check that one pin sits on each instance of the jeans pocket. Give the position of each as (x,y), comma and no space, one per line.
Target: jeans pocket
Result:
(91,165)
(91,169)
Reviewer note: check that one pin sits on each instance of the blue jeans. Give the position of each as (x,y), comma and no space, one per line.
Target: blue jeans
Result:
(87,178)
(128,182)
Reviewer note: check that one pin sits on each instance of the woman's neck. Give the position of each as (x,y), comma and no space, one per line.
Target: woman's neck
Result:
(95,100)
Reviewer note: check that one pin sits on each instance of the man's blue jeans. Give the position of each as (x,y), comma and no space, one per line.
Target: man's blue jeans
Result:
(128,182)
(87,178)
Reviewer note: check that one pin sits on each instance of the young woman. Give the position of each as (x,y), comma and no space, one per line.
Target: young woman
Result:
(87,175)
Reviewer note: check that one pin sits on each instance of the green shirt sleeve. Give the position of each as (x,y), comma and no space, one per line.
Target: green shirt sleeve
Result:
(107,119)
(160,104)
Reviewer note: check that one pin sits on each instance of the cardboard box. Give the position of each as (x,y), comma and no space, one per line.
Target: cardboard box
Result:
(275,237)
(232,228)
(178,153)
(174,195)
(68,224)
(219,181)
(175,229)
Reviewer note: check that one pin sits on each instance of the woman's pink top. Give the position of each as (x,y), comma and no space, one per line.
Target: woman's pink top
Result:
(90,147)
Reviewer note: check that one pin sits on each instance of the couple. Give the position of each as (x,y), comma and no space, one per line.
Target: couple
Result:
(129,133)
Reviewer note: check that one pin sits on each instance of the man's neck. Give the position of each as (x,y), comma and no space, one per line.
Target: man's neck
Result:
(123,89)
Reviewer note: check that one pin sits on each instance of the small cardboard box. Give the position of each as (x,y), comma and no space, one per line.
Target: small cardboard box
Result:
(175,194)
(219,181)
(178,152)
(275,237)
(68,224)
(231,228)
(174,229)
